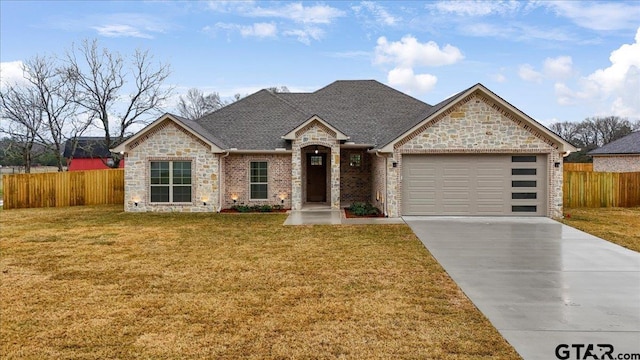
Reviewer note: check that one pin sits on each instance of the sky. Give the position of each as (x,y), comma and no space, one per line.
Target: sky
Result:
(553,60)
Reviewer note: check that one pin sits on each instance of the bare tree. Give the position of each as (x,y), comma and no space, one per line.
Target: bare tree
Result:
(56,103)
(592,133)
(21,119)
(196,104)
(567,130)
(100,78)
(278,89)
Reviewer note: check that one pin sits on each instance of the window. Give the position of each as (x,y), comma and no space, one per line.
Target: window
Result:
(529,183)
(523,158)
(524,195)
(258,180)
(355,160)
(523,171)
(524,208)
(170,181)
(316,160)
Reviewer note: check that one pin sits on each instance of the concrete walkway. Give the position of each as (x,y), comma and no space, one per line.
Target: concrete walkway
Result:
(541,283)
(320,216)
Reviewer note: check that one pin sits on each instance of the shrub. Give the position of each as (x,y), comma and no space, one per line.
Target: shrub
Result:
(363,209)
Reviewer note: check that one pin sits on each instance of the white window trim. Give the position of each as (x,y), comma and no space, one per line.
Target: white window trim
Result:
(258,183)
(170,184)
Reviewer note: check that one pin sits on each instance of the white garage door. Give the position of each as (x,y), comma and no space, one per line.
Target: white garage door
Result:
(512,185)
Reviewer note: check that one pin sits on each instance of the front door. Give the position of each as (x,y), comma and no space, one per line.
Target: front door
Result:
(316,177)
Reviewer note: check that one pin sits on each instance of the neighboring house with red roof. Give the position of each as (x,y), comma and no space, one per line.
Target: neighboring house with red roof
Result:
(90,153)
(622,155)
(351,141)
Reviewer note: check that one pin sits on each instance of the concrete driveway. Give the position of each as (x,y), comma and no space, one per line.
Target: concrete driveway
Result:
(542,284)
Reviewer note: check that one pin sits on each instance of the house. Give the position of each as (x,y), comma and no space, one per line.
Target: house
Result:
(471,154)
(90,153)
(622,155)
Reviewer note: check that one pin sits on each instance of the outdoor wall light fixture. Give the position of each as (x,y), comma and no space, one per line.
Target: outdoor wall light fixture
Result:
(204,201)
(316,150)
(282,197)
(136,200)
(557,164)
(234,197)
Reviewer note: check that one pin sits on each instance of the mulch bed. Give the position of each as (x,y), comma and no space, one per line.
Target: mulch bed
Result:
(234,211)
(350,215)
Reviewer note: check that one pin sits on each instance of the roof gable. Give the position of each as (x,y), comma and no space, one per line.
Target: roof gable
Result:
(190,126)
(291,135)
(448,105)
(629,144)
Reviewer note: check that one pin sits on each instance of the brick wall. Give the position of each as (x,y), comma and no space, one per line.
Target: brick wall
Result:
(378,189)
(169,142)
(236,169)
(620,163)
(355,181)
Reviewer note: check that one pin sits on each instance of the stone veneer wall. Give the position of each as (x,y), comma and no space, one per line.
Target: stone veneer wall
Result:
(315,133)
(237,169)
(168,141)
(355,181)
(378,190)
(477,125)
(616,163)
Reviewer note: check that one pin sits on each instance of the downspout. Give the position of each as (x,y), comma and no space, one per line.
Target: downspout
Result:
(386,180)
(220,181)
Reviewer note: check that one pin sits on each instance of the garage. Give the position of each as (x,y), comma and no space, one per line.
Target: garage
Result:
(481,185)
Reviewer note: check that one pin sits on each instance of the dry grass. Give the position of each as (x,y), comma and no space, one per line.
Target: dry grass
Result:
(96,283)
(618,225)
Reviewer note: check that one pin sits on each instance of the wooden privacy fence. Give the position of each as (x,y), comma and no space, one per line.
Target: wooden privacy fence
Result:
(601,189)
(91,187)
(577,166)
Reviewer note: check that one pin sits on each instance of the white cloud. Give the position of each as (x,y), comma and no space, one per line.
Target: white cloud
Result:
(121,30)
(305,35)
(316,14)
(558,68)
(475,7)
(409,52)
(404,78)
(527,73)
(615,89)
(379,12)
(11,73)
(259,30)
(498,78)
(598,15)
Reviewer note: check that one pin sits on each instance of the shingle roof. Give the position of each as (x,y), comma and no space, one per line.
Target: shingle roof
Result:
(87,147)
(629,144)
(366,110)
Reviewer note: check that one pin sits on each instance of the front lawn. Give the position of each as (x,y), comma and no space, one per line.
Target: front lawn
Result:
(97,283)
(618,225)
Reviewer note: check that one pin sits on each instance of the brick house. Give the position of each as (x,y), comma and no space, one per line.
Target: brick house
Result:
(471,154)
(622,155)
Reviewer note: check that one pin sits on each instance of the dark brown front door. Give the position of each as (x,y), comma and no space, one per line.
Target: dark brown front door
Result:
(316,177)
